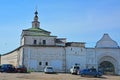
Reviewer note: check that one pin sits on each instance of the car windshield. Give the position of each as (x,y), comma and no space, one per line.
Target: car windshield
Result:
(19,66)
(76,67)
(6,65)
(93,70)
(49,68)
(86,70)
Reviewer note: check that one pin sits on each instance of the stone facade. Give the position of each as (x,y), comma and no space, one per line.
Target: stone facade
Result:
(39,49)
(36,58)
(10,58)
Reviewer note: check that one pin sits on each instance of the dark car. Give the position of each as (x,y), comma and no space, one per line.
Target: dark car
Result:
(90,72)
(21,69)
(7,68)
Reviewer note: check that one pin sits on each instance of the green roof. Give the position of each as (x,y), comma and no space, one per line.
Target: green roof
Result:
(37,32)
(37,29)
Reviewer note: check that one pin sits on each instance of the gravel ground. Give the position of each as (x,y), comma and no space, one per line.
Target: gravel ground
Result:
(59,76)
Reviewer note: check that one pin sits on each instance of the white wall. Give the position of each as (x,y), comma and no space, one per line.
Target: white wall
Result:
(91,58)
(10,58)
(30,39)
(75,55)
(53,55)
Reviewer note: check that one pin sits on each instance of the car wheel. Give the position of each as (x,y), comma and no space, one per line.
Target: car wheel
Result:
(82,75)
(72,73)
(18,71)
(78,72)
(98,76)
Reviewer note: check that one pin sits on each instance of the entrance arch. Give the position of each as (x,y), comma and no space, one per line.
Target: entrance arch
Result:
(107,67)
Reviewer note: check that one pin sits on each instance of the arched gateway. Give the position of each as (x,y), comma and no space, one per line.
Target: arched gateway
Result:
(108,65)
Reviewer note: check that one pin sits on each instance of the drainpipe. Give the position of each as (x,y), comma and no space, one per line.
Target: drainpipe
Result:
(96,61)
(65,59)
(23,57)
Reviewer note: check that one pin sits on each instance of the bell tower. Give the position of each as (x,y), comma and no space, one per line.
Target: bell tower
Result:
(35,23)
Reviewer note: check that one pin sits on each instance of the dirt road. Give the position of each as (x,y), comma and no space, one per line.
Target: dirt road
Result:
(43,76)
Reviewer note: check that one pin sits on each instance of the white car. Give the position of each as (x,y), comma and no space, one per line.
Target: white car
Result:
(75,70)
(48,69)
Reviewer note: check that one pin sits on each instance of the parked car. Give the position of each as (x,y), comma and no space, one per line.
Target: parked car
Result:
(90,72)
(21,69)
(7,68)
(49,69)
(75,69)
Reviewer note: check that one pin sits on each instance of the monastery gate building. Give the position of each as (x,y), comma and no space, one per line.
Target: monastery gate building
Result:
(39,49)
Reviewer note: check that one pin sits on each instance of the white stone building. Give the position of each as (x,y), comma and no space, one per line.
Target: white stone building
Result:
(39,49)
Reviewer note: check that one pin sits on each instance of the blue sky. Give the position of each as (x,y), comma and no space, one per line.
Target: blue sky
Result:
(76,20)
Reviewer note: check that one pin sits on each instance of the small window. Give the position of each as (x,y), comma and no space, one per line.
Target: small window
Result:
(81,50)
(46,63)
(44,42)
(40,63)
(35,42)
(75,52)
(36,25)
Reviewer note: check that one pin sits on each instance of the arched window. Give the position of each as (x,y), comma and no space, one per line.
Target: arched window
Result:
(46,63)
(44,42)
(40,63)
(35,42)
